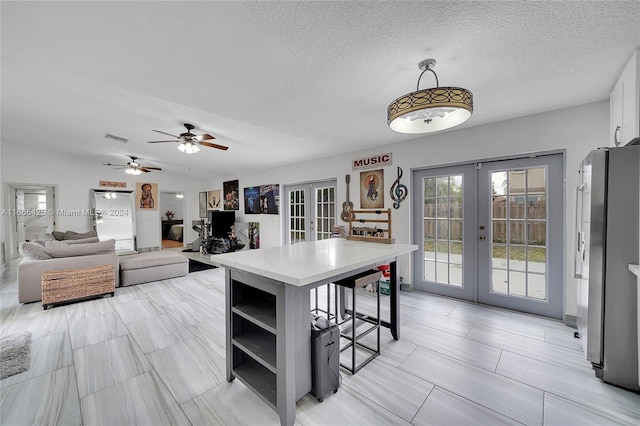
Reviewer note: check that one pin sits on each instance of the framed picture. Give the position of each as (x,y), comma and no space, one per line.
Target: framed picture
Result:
(231,196)
(252,200)
(146,196)
(202,205)
(213,200)
(254,235)
(269,198)
(372,189)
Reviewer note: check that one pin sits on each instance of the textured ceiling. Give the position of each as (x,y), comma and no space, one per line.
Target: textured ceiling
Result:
(280,82)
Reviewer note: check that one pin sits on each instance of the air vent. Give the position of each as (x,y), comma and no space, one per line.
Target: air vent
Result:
(118,138)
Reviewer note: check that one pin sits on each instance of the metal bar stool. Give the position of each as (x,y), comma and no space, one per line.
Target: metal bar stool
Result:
(355,282)
(331,317)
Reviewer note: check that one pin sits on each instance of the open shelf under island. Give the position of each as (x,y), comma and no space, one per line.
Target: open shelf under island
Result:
(268,333)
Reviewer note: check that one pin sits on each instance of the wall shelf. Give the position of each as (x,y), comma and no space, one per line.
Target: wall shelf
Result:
(379,232)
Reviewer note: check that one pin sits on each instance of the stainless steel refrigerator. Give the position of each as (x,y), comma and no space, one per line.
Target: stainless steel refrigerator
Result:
(606,242)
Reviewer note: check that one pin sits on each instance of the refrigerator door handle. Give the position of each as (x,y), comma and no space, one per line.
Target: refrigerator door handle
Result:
(578,254)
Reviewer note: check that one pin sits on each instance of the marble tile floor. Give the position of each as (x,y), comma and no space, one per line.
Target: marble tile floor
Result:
(154,355)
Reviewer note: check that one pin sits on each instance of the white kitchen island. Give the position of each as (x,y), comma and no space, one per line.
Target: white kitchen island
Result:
(268,332)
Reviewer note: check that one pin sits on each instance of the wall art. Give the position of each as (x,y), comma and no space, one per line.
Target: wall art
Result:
(146,196)
(213,200)
(252,200)
(231,195)
(398,191)
(202,205)
(372,189)
(104,183)
(269,198)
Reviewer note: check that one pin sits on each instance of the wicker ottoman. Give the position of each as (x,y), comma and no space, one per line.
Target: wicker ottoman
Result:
(75,284)
(152,266)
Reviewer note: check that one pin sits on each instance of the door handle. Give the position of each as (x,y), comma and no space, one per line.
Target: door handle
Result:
(616,132)
(482,237)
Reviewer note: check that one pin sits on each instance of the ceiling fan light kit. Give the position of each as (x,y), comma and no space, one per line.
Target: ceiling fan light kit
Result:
(189,142)
(188,147)
(133,167)
(430,110)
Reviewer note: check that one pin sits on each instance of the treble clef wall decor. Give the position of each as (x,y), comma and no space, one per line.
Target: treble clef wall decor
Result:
(398,191)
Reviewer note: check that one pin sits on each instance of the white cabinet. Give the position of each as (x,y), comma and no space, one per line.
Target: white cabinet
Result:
(625,104)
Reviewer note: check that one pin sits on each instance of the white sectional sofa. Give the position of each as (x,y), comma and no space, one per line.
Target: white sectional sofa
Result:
(60,255)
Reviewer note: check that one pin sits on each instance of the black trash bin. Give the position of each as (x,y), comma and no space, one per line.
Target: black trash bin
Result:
(325,361)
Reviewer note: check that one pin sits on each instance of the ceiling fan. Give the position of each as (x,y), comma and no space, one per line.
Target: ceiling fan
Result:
(189,142)
(133,167)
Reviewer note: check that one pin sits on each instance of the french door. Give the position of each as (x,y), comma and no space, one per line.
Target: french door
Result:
(445,217)
(311,211)
(492,232)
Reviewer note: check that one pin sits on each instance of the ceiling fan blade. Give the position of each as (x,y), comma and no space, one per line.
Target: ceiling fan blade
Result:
(144,169)
(148,169)
(114,165)
(206,137)
(165,133)
(213,145)
(177,140)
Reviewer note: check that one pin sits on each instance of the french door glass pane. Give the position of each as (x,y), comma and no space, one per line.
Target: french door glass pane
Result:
(536,286)
(518,246)
(325,220)
(442,231)
(297,216)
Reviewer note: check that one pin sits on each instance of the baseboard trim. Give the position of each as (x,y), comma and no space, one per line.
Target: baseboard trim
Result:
(571,321)
(145,249)
(405,287)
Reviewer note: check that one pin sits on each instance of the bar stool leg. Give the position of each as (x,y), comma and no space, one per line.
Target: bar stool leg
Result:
(378,318)
(353,332)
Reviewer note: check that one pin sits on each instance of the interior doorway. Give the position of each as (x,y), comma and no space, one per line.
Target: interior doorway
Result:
(172,219)
(33,213)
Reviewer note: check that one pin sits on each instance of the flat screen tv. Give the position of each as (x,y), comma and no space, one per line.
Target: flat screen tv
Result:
(221,222)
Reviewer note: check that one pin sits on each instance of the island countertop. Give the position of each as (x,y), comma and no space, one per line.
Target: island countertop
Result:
(305,263)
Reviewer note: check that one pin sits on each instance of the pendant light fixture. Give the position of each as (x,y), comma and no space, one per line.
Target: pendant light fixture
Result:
(430,110)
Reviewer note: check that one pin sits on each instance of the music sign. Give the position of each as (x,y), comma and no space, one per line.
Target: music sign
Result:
(372,161)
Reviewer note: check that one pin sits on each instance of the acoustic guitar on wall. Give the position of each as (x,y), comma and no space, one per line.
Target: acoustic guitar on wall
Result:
(347,206)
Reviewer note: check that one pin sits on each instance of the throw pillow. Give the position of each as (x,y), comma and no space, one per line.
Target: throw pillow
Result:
(57,235)
(70,235)
(60,249)
(33,251)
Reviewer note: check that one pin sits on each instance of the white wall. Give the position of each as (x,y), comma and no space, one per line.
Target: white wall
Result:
(574,131)
(74,177)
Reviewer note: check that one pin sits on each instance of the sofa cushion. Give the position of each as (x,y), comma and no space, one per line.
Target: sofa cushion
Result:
(60,249)
(33,251)
(71,235)
(151,259)
(82,241)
